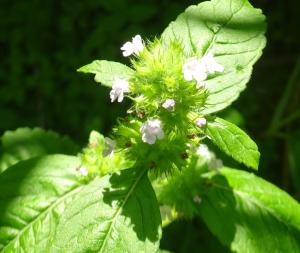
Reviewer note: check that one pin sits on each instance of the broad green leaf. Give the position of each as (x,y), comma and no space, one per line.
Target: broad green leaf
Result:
(44,207)
(234,31)
(106,71)
(25,143)
(249,214)
(33,195)
(234,142)
(245,212)
(113,214)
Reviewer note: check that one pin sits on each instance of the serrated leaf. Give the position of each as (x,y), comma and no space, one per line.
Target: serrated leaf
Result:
(119,213)
(234,142)
(234,31)
(33,194)
(106,71)
(256,215)
(247,213)
(25,143)
(45,208)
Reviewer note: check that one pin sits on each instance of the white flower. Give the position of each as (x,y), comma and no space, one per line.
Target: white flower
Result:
(119,87)
(133,47)
(109,147)
(83,171)
(200,122)
(169,104)
(152,130)
(215,164)
(197,199)
(210,64)
(209,157)
(194,69)
(198,70)
(204,152)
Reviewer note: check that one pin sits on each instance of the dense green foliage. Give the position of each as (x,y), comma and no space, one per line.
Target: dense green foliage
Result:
(116,195)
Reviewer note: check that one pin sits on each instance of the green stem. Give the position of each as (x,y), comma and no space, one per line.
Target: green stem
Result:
(285,98)
(295,115)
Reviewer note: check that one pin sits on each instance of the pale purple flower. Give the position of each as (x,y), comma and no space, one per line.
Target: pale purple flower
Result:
(200,122)
(151,131)
(169,104)
(83,171)
(119,87)
(133,47)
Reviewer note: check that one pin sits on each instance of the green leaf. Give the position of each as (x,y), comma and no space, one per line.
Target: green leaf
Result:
(25,143)
(120,214)
(234,31)
(106,71)
(33,195)
(249,214)
(245,212)
(234,142)
(44,207)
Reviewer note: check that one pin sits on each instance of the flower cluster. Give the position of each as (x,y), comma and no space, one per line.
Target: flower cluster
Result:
(168,91)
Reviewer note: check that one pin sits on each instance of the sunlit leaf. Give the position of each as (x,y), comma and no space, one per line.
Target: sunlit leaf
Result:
(25,143)
(256,215)
(106,71)
(46,207)
(233,141)
(234,31)
(245,212)
(33,195)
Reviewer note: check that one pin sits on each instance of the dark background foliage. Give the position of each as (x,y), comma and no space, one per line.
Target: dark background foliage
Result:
(42,43)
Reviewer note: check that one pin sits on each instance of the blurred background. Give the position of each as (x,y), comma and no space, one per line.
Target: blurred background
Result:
(42,43)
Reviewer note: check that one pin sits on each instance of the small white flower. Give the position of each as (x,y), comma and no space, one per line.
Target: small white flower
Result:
(204,152)
(83,171)
(169,104)
(200,122)
(133,47)
(109,147)
(152,130)
(215,164)
(119,87)
(194,69)
(209,157)
(197,199)
(210,64)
